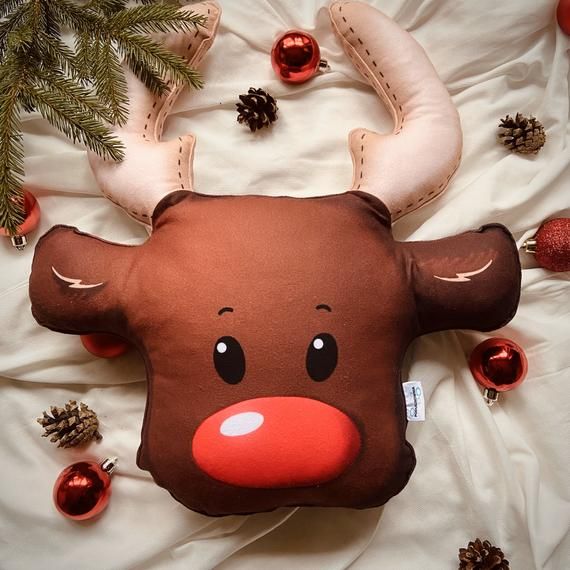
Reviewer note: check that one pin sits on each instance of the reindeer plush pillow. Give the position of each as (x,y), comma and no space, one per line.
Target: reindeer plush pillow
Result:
(273,329)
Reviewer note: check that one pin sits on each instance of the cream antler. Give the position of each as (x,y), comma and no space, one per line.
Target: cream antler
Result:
(151,168)
(415,163)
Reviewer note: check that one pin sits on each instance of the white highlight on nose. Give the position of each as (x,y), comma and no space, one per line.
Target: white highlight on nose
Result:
(241,424)
(318,343)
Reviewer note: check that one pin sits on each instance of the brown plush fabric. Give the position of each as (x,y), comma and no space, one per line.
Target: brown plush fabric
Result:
(299,310)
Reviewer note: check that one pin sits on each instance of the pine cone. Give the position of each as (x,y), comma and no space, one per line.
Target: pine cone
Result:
(482,556)
(522,135)
(70,426)
(258,109)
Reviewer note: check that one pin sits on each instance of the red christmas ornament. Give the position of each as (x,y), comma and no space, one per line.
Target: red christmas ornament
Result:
(82,490)
(499,365)
(31,220)
(551,245)
(104,345)
(563,16)
(296,57)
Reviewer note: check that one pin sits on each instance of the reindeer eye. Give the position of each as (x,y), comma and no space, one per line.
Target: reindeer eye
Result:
(229,360)
(322,357)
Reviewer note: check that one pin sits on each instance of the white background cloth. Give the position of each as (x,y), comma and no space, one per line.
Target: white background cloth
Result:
(501,473)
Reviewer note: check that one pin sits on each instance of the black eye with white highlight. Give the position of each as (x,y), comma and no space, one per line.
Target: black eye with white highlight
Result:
(322,357)
(229,360)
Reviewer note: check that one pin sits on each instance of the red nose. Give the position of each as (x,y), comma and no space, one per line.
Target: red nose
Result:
(276,442)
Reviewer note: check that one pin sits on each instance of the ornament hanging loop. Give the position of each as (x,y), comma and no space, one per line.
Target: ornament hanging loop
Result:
(530,245)
(19,242)
(109,465)
(491,396)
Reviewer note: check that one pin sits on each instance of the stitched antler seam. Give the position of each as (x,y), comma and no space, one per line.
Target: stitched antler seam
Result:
(363,58)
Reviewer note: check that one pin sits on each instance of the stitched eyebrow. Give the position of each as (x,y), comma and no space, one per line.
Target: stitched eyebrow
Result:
(225,310)
(324,308)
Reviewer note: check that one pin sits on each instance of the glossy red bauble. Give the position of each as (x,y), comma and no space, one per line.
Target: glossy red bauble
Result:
(563,16)
(105,345)
(296,57)
(31,221)
(82,490)
(499,364)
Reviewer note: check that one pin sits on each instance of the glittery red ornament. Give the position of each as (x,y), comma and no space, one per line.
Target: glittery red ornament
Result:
(296,57)
(82,490)
(551,245)
(498,364)
(563,16)
(104,345)
(31,220)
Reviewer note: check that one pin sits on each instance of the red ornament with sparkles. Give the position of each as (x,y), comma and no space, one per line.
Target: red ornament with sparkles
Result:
(498,364)
(551,245)
(104,345)
(296,57)
(82,490)
(31,220)
(563,16)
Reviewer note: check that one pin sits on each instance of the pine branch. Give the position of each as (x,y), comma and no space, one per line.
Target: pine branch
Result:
(109,80)
(26,103)
(151,54)
(7,6)
(83,55)
(75,123)
(146,73)
(79,91)
(11,154)
(52,27)
(57,55)
(77,18)
(37,19)
(68,90)
(155,18)
(10,24)
(99,62)
(107,7)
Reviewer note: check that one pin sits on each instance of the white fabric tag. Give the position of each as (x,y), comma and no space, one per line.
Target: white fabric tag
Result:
(415,403)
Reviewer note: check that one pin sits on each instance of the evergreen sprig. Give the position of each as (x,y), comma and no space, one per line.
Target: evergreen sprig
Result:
(82,90)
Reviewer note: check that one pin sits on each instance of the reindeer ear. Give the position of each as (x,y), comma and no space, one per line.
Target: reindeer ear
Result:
(77,282)
(469,281)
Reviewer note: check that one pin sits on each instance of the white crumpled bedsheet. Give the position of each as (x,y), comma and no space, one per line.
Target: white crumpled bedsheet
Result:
(501,473)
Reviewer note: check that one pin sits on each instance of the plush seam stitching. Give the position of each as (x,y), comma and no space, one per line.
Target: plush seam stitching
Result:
(396,112)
